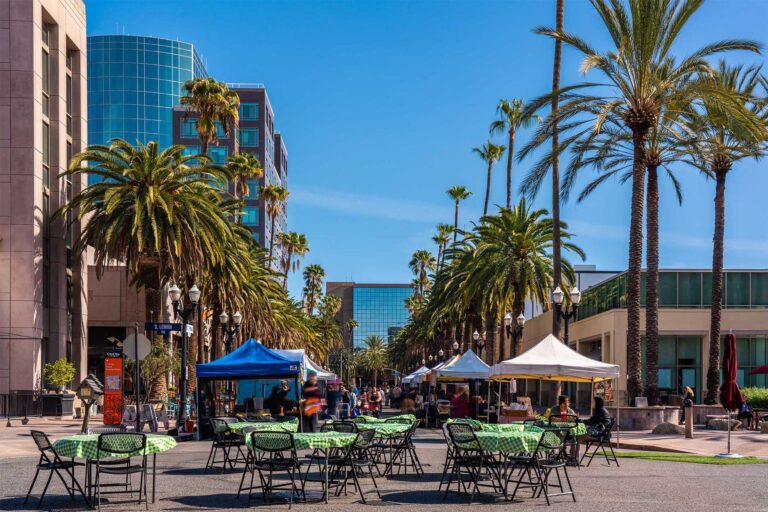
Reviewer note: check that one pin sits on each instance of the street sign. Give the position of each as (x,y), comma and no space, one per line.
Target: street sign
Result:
(144,346)
(189,329)
(161,328)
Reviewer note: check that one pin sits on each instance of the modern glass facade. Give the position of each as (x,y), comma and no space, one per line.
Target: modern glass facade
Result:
(379,311)
(752,352)
(681,289)
(679,365)
(134,83)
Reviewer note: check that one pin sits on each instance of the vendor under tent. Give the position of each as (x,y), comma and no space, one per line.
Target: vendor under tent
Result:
(551,359)
(250,361)
(409,379)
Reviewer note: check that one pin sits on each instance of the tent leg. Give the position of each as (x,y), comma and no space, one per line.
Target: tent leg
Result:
(298,400)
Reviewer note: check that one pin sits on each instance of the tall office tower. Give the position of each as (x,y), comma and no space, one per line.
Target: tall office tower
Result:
(43,307)
(256,135)
(133,84)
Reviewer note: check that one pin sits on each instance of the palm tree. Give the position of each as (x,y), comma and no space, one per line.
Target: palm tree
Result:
(215,105)
(351,325)
(421,263)
(241,167)
(374,355)
(157,212)
(511,116)
(313,286)
(639,76)
(293,244)
(273,197)
(490,153)
(442,238)
(458,194)
(554,104)
(723,140)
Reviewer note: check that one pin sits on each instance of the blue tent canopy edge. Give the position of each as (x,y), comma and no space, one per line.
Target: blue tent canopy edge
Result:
(250,360)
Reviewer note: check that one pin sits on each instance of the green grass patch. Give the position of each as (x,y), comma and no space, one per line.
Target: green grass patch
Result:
(690,458)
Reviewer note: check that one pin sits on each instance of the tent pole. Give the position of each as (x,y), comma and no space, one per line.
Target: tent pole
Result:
(298,401)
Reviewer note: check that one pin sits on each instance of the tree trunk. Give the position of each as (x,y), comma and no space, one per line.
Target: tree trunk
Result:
(490,338)
(456,221)
(467,338)
(556,258)
(154,306)
(487,188)
(192,346)
(271,237)
(518,308)
(510,152)
(634,356)
(652,289)
(287,268)
(713,374)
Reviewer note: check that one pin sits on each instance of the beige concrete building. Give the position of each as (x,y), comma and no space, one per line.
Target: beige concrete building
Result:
(43,310)
(600,330)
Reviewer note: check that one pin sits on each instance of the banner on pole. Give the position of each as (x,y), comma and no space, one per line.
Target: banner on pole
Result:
(113,389)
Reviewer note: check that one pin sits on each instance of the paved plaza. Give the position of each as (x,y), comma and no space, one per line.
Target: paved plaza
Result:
(638,485)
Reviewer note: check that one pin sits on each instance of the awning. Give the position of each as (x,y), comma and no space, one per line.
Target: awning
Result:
(408,378)
(300,356)
(250,360)
(467,367)
(550,359)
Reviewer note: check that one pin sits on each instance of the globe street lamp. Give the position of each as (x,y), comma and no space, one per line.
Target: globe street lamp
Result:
(479,342)
(456,347)
(230,333)
(564,313)
(440,354)
(515,332)
(186,313)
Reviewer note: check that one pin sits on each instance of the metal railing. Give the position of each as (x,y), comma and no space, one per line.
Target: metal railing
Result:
(20,405)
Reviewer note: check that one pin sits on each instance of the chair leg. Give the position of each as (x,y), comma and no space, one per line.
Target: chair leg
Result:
(212,453)
(373,479)
(45,489)
(32,486)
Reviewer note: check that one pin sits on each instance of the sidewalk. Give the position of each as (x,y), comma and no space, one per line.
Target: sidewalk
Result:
(704,442)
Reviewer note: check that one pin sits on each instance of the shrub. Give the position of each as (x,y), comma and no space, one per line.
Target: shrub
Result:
(757,397)
(60,373)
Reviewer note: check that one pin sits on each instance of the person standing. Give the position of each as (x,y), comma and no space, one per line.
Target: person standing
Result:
(460,403)
(332,401)
(311,395)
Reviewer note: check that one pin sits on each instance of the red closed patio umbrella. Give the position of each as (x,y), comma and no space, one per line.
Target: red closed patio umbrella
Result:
(730,394)
(760,370)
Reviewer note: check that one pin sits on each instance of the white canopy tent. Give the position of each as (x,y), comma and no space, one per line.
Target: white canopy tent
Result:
(411,376)
(551,359)
(307,364)
(431,375)
(467,367)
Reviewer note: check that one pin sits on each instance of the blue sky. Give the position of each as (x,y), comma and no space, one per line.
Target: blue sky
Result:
(380,103)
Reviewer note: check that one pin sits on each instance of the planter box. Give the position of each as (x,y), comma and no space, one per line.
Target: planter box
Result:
(56,404)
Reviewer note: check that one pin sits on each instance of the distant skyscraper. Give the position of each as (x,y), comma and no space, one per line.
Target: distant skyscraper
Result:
(257,135)
(379,309)
(133,84)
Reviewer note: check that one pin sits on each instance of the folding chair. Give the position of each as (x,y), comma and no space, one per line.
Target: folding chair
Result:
(471,460)
(116,447)
(601,441)
(449,455)
(403,453)
(317,456)
(50,461)
(355,458)
(273,451)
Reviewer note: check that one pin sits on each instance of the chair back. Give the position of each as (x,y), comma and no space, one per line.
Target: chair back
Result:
(348,427)
(220,426)
(558,418)
(110,429)
(401,421)
(273,442)
(125,443)
(553,441)
(462,435)
(42,442)
(364,438)
(606,433)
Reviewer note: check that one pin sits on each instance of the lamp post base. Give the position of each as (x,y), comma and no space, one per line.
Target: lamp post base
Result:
(729,456)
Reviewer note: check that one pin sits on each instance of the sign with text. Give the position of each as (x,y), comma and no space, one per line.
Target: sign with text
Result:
(113,390)
(162,328)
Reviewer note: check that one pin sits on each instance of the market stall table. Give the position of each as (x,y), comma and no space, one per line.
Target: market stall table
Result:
(323,442)
(85,446)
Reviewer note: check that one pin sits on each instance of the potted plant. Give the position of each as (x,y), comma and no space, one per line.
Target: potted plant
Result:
(58,374)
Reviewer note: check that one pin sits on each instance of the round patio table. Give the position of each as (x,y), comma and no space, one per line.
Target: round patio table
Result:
(508,442)
(373,419)
(386,430)
(85,446)
(264,426)
(578,429)
(503,427)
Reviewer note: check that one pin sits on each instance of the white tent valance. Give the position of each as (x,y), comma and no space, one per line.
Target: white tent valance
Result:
(308,365)
(411,376)
(431,375)
(466,367)
(550,359)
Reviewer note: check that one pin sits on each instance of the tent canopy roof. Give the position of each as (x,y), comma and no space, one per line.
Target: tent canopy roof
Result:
(250,360)
(300,355)
(408,378)
(550,359)
(467,367)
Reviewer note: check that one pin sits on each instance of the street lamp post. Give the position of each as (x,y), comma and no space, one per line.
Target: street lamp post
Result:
(440,354)
(479,342)
(515,332)
(186,313)
(456,347)
(230,333)
(564,313)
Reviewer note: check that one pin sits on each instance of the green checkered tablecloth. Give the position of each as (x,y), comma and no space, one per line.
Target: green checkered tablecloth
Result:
(576,430)
(508,442)
(386,430)
(502,427)
(266,426)
(85,446)
(373,419)
(318,440)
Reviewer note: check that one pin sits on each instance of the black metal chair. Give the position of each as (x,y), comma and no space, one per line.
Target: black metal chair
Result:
(318,457)
(116,447)
(50,461)
(536,468)
(600,440)
(90,464)
(449,455)
(471,460)
(273,452)
(355,458)
(571,420)
(403,454)
(225,441)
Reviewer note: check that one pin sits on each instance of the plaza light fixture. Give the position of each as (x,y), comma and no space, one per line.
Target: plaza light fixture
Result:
(230,332)
(515,332)
(565,313)
(185,313)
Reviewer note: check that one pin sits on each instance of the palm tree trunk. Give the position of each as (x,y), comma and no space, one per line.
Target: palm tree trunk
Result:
(487,188)
(456,221)
(652,289)
(271,237)
(634,355)
(154,306)
(467,338)
(510,152)
(713,373)
(287,268)
(518,308)
(556,258)
(490,339)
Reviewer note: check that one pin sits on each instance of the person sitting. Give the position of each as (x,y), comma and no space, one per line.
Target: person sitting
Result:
(596,425)
(745,415)
(563,408)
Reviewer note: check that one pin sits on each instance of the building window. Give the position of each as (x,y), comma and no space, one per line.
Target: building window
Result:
(69,105)
(46,250)
(249,111)
(188,128)
(689,289)
(679,364)
(751,353)
(249,137)
(737,289)
(253,190)
(251,215)
(759,287)
(46,155)
(46,34)
(46,84)
(218,154)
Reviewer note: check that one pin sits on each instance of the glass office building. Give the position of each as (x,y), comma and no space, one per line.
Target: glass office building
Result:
(379,311)
(134,83)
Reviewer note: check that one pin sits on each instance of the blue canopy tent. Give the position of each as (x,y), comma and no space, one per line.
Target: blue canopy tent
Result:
(251,360)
